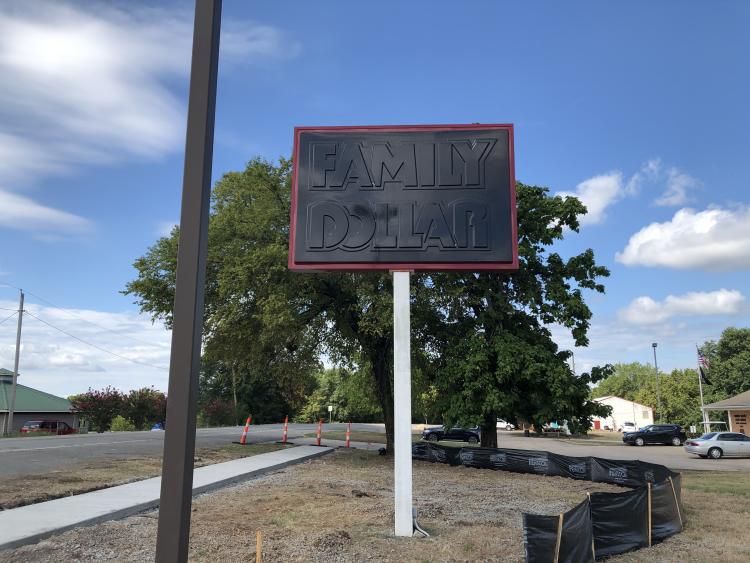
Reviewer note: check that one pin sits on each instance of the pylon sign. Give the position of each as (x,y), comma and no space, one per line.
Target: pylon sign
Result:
(425,197)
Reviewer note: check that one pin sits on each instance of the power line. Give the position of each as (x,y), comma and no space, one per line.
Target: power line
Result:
(96,346)
(13,314)
(68,312)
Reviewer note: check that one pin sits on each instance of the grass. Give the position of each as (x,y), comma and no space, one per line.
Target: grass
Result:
(733,483)
(20,490)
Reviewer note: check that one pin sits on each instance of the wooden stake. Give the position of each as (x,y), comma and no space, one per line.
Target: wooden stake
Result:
(676,503)
(559,538)
(649,514)
(258,546)
(593,550)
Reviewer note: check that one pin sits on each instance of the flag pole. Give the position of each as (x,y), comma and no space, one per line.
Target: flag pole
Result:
(700,388)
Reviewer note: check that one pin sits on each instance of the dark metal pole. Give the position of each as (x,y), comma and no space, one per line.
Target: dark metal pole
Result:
(179,442)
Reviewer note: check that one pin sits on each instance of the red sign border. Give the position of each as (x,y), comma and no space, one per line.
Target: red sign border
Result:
(404,266)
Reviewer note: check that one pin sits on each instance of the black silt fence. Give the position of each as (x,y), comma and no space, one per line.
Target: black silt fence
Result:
(604,524)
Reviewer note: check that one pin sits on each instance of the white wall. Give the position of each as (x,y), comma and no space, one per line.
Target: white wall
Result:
(625,411)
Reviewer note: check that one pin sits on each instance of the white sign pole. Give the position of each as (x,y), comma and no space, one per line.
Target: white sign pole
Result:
(402,404)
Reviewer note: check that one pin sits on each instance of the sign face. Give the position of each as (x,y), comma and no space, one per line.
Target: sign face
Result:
(429,197)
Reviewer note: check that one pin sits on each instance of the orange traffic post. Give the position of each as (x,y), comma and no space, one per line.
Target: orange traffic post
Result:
(348,434)
(320,430)
(243,439)
(286,429)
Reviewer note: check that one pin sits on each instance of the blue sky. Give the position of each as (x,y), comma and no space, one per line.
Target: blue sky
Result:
(639,108)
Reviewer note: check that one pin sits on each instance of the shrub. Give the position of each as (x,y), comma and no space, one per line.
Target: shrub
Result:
(122,424)
(98,407)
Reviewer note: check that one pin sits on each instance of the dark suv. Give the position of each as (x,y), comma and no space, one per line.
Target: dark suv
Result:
(668,434)
(470,435)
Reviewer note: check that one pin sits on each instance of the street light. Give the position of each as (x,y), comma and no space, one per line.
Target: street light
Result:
(658,393)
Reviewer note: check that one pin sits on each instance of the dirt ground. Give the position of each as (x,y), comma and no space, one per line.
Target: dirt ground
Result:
(29,489)
(339,508)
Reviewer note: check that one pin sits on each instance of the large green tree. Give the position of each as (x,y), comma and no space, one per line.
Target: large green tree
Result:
(680,396)
(265,324)
(498,357)
(730,363)
(626,380)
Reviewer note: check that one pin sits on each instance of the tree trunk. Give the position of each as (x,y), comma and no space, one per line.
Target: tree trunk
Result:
(381,369)
(489,431)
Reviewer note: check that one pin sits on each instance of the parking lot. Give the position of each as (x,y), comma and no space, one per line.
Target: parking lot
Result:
(670,456)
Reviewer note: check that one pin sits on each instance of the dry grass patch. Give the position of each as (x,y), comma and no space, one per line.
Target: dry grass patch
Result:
(21,490)
(340,508)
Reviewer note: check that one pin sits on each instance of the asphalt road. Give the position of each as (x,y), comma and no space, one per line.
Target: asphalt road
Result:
(40,454)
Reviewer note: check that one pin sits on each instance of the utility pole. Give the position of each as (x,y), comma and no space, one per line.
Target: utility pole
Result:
(658,393)
(12,406)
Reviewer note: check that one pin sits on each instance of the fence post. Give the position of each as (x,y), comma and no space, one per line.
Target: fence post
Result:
(676,503)
(593,549)
(559,538)
(649,513)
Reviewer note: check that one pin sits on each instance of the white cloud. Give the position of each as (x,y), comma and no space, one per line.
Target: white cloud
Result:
(23,213)
(92,83)
(59,364)
(646,311)
(602,191)
(678,184)
(715,239)
(597,194)
(613,341)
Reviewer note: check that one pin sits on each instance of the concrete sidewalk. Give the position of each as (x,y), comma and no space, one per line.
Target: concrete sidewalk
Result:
(29,524)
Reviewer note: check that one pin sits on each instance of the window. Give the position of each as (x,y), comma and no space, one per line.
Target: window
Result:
(728,437)
(644,414)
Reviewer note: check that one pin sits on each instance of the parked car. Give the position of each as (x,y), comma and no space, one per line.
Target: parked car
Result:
(656,434)
(719,444)
(47,427)
(470,435)
(505,425)
(628,427)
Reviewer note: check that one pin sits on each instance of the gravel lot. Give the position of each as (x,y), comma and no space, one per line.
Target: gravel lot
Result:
(339,508)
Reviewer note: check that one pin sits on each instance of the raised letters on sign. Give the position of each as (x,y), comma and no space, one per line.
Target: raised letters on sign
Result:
(423,198)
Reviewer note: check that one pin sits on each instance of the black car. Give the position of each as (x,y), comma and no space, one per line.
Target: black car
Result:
(669,434)
(470,435)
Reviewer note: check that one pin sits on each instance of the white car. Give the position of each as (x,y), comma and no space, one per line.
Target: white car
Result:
(628,427)
(719,444)
(504,425)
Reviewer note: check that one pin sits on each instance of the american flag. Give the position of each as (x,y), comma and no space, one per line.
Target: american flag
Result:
(703,361)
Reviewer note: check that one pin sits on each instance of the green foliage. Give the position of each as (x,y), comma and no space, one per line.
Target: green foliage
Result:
(730,364)
(626,381)
(217,412)
(265,327)
(350,393)
(145,407)
(259,345)
(122,424)
(99,407)
(680,397)
(497,357)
